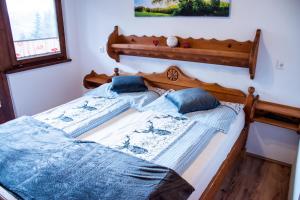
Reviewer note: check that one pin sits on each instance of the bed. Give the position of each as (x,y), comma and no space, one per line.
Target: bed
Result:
(231,144)
(173,78)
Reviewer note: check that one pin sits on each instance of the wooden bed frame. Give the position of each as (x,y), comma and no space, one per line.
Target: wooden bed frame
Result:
(174,78)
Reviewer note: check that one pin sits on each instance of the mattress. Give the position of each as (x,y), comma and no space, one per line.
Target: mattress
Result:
(205,166)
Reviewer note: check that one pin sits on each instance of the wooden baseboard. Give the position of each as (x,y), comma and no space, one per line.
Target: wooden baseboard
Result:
(268,159)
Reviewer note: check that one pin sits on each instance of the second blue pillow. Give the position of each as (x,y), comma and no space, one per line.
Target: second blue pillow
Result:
(192,100)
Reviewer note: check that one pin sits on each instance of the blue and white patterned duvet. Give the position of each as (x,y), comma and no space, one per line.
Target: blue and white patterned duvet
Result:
(152,135)
(93,109)
(38,161)
(148,136)
(179,154)
(82,114)
(220,118)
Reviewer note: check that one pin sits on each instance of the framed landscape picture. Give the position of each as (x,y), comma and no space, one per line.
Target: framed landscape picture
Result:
(170,8)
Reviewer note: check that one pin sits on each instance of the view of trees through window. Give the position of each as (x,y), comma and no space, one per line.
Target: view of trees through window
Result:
(34,27)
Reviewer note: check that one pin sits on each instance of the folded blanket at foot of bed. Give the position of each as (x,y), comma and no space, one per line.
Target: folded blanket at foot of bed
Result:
(38,161)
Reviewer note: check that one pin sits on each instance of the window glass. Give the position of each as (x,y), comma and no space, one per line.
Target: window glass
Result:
(34,28)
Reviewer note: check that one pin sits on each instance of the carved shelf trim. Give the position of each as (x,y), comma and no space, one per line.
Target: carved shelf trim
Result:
(222,52)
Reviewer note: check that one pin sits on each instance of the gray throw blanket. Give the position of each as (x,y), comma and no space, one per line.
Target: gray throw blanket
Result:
(38,161)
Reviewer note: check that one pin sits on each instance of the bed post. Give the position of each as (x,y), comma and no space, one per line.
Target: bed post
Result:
(250,100)
(116,72)
(248,105)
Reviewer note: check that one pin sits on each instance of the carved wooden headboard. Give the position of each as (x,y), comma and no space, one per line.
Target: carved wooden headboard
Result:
(174,78)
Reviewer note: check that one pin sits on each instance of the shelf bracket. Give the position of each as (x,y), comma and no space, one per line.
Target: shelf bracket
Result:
(254,54)
(113,38)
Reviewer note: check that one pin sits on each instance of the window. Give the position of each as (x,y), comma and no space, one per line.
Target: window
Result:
(34,27)
(35,32)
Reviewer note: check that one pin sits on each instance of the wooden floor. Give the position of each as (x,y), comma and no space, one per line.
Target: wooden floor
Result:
(256,179)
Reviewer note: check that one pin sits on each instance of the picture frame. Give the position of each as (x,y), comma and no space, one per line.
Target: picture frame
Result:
(175,8)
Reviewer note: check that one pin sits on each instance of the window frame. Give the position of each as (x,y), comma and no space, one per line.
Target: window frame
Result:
(39,61)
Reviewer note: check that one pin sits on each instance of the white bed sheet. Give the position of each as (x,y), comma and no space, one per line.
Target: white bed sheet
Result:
(108,126)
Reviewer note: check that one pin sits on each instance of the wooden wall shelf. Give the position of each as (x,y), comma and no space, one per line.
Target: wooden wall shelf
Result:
(277,115)
(228,52)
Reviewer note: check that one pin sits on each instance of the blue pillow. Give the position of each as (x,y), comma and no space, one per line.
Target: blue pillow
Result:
(192,100)
(125,84)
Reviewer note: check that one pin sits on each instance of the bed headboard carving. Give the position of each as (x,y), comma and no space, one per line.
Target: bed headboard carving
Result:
(172,74)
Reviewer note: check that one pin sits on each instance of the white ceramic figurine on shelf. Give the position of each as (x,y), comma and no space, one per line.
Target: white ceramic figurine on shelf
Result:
(172,41)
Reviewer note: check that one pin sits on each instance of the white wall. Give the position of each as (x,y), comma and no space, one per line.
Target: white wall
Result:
(37,90)
(279,21)
(273,142)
